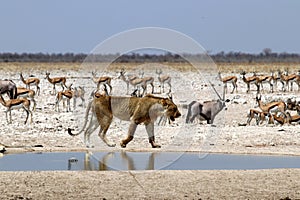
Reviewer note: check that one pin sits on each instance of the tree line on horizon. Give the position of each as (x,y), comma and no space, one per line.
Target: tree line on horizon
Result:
(232,57)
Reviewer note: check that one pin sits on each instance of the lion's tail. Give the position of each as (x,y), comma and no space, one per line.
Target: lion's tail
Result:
(85,120)
(189,113)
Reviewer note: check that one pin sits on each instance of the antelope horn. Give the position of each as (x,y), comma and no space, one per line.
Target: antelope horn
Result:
(170,96)
(215,90)
(224,93)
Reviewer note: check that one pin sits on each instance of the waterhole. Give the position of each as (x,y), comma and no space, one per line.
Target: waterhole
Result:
(142,161)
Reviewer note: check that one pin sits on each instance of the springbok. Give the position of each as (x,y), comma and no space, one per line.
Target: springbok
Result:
(12,104)
(266,108)
(293,105)
(102,80)
(280,118)
(31,81)
(228,79)
(79,92)
(56,81)
(258,115)
(8,87)
(162,80)
(64,95)
(276,78)
(265,79)
(250,80)
(286,79)
(27,93)
(292,118)
(207,110)
(135,82)
(148,80)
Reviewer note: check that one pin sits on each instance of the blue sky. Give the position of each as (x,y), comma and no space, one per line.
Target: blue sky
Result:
(60,26)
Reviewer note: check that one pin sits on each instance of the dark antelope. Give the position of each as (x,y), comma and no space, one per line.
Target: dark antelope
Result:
(8,87)
(207,110)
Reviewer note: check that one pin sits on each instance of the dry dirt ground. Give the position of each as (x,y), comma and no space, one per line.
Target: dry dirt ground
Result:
(48,133)
(260,184)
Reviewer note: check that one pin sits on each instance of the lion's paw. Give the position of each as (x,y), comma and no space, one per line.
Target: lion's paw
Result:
(156,146)
(111,144)
(90,146)
(122,144)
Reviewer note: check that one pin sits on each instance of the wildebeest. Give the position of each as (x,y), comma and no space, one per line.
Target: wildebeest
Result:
(8,87)
(208,109)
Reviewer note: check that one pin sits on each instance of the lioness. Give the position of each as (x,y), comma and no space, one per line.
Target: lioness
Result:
(136,110)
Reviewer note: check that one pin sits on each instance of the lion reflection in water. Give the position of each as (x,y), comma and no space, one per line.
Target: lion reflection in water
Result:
(127,161)
(136,110)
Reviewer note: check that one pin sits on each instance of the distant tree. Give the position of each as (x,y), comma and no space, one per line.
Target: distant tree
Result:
(267,51)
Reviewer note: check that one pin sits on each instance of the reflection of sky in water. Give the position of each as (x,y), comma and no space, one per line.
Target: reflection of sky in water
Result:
(142,161)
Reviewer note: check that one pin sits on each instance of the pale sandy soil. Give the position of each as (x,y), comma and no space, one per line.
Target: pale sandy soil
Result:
(260,184)
(48,133)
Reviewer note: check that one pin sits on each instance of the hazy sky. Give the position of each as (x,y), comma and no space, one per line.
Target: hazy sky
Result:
(59,26)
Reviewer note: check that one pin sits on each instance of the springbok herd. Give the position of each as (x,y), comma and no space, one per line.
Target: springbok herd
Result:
(273,112)
(276,111)
(23,96)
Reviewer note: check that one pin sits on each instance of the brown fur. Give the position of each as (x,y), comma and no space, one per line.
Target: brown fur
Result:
(102,80)
(267,107)
(15,104)
(293,105)
(249,80)
(68,95)
(136,110)
(134,81)
(56,80)
(27,93)
(286,79)
(280,119)
(31,81)
(265,79)
(228,79)
(258,115)
(292,118)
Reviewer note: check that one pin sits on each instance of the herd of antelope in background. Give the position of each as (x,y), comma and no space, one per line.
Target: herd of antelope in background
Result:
(23,97)
(275,112)
(272,112)
(286,80)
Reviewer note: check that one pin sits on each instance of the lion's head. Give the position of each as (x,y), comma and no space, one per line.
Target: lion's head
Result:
(171,110)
